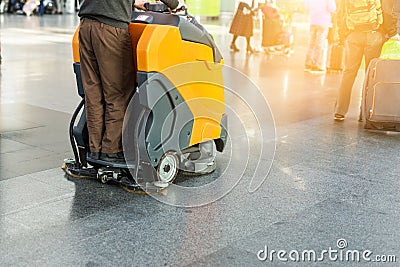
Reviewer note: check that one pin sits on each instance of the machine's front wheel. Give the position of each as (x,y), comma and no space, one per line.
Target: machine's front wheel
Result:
(167,168)
(103,178)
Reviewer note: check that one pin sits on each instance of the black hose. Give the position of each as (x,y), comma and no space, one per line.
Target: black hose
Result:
(71,134)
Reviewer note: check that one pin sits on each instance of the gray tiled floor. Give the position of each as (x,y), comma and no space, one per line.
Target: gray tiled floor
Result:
(328,180)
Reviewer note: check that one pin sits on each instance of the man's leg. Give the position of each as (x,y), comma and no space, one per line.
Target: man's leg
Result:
(319,47)
(59,7)
(310,52)
(373,46)
(372,50)
(114,54)
(354,54)
(92,85)
(41,8)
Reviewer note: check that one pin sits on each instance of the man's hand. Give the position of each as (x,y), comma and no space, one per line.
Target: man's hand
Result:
(139,4)
(180,5)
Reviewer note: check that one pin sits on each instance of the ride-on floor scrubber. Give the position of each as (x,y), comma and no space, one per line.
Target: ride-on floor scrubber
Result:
(176,119)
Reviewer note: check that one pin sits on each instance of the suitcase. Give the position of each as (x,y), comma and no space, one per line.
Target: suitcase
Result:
(336,58)
(285,39)
(29,7)
(381,95)
(270,31)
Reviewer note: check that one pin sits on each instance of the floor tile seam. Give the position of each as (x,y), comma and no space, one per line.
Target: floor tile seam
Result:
(343,176)
(359,141)
(29,147)
(34,176)
(100,212)
(38,107)
(121,223)
(58,168)
(49,149)
(374,182)
(43,31)
(372,210)
(341,199)
(96,236)
(16,141)
(9,178)
(21,117)
(20,130)
(30,120)
(346,174)
(36,157)
(290,166)
(54,185)
(322,150)
(309,160)
(42,203)
(24,129)
(6,217)
(17,177)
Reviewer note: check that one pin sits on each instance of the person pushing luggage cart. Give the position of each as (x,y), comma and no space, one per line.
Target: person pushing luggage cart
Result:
(276,35)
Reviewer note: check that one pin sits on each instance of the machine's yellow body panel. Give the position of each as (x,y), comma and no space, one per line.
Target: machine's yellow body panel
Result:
(75,46)
(191,69)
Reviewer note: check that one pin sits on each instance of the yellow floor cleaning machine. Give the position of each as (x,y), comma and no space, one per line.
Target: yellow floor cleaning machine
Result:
(176,120)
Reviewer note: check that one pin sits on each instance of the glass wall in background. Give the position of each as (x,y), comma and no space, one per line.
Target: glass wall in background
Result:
(214,7)
(207,8)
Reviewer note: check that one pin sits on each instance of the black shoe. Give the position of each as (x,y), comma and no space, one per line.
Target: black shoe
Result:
(94,155)
(113,157)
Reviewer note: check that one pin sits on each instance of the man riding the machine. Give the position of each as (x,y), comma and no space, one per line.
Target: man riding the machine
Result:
(107,76)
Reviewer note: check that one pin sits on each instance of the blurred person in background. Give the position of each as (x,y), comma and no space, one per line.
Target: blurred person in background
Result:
(10,6)
(242,25)
(60,6)
(41,8)
(320,22)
